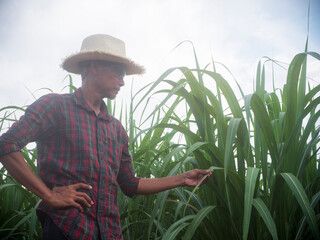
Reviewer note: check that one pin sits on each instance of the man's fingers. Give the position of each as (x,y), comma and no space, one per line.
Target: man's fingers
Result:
(77,206)
(81,185)
(203,172)
(84,199)
(206,180)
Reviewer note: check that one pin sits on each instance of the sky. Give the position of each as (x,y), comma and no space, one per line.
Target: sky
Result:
(36,35)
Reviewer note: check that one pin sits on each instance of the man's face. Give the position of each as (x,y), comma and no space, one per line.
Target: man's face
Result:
(109,79)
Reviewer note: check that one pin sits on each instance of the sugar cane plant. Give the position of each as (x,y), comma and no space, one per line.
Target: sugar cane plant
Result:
(263,148)
(18,218)
(265,156)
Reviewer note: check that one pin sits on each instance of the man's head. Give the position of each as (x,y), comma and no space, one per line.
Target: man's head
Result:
(101,48)
(102,78)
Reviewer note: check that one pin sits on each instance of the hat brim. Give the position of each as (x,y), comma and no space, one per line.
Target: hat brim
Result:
(71,63)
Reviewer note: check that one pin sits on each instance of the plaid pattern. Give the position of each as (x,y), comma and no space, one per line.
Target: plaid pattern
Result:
(74,145)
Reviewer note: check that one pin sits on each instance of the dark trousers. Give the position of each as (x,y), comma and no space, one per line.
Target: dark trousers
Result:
(50,231)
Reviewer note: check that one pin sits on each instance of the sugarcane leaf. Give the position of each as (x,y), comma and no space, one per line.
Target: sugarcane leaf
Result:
(303,201)
(314,201)
(266,216)
(175,228)
(251,179)
(196,222)
(263,120)
(231,134)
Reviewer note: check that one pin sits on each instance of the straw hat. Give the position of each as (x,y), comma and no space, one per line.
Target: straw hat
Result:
(101,47)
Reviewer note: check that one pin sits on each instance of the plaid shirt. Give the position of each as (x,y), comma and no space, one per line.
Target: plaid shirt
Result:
(74,145)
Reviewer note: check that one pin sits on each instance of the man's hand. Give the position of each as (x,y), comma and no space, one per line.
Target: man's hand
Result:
(68,196)
(59,197)
(193,177)
(155,185)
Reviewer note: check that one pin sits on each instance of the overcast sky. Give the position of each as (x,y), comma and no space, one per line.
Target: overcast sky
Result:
(36,35)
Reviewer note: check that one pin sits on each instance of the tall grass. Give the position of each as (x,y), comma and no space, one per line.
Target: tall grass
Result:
(265,152)
(263,148)
(18,218)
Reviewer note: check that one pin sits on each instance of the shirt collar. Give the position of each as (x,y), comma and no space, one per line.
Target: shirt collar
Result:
(79,99)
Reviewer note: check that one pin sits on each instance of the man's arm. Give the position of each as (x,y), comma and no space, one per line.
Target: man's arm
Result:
(155,185)
(59,197)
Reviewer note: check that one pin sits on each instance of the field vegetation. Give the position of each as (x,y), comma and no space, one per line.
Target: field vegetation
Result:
(263,147)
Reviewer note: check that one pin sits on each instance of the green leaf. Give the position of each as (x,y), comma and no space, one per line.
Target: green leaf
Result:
(231,134)
(261,115)
(175,228)
(7,185)
(293,96)
(215,168)
(303,201)
(251,180)
(196,222)
(314,202)
(266,216)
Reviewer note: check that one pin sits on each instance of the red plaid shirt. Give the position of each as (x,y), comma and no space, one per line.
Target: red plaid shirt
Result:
(74,145)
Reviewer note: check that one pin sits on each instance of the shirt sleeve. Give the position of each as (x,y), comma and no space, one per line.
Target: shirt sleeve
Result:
(126,179)
(38,122)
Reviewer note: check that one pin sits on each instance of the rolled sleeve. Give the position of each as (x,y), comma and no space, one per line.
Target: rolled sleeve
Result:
(37,122)
(126,179)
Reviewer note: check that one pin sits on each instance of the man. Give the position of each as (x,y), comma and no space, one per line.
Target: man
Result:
(82,151)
